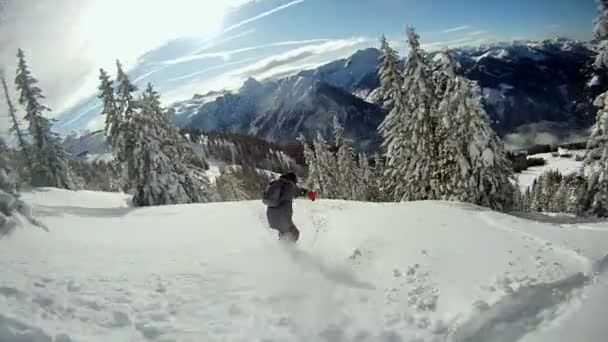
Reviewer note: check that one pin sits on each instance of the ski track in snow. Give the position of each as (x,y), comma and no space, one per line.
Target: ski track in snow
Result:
(88,281)
(585,262)
(530,307)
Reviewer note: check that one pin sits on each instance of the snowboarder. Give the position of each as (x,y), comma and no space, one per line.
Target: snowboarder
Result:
(278,197)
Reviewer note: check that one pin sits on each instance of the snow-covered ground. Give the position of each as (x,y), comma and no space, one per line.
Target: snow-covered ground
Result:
(426,271)
(561,164)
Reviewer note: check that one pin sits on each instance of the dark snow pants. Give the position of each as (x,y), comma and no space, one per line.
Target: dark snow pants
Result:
(279,218)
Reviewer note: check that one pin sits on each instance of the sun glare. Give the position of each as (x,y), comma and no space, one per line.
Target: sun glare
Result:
(126,29)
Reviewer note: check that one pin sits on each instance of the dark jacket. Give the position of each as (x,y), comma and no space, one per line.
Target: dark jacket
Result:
(279,199)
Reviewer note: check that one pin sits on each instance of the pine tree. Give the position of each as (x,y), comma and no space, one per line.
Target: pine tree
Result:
(327,169)
(113,120)
(409,132)
(25,163)
(366,183)
(526,204)
(561,200)
(594,200)
(12,111)
(391,79)
(49,165)
(598,137)
(474,163)
(377,191)
(156,168)
(600,32)
(347,178)
(596,142)
(313,178)
(453,164)
(230,187)
(126,105)
(12,208)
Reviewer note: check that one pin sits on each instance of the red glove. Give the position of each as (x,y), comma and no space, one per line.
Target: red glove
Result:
(312,195)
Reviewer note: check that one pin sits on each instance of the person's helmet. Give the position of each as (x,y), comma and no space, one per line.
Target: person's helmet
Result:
(290,176)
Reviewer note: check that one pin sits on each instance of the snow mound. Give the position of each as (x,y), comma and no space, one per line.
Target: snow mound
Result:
(422,271)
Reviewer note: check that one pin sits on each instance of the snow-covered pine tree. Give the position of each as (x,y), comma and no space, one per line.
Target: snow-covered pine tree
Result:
(594,200)
(600,32)
(327,168)
(158,173)
(12,208)
(377,192)
(230,188)
(537,193)
(485,174)
(561,200)
(576,186)
(313,178)
(113,119)
(409,132)
(391,78)
(453,166)
(492,174)
(526,202)
(49,164)
(12,111)
(195,164)
(366,183)
(126,106)
(391,85)
(347,175)
(24,154)
(598,137)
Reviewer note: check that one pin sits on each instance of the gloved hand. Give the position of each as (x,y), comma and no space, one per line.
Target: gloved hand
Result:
(312,195)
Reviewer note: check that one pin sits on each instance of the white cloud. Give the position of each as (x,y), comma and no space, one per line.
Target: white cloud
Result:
(289,70)
(220,41)
(477,33)
(263,15)
(457,29)
(229,53)
(67,41)
(204,71)
(447,43)
(266,65)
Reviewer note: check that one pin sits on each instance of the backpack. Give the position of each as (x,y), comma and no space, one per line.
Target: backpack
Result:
(272,194)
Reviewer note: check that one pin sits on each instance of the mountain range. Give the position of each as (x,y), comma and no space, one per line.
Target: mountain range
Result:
(522,83)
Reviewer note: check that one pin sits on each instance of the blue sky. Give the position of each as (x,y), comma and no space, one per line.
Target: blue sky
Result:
(193,46)
(504,19)
(336,28)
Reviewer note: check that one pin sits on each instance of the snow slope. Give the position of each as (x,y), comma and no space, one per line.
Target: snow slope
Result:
(564,165)
(426,271)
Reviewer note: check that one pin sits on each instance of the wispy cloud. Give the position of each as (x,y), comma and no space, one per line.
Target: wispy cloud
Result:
(552,27)
(457,29)
(229,53)
(297,55)
(477,33)
(224,40)
(207,70)
(432,46)
(263,15)
(289,70)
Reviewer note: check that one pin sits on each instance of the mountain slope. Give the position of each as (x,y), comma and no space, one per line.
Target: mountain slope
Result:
(281,110)
(529,82)
(361,272)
